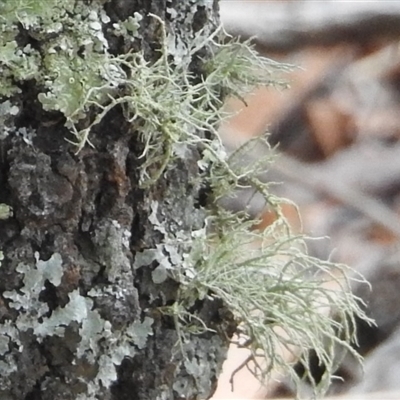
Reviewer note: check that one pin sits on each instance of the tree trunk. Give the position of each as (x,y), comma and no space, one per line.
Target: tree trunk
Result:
(85,244)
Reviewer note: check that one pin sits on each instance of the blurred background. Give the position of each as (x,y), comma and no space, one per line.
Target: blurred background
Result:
(338,131)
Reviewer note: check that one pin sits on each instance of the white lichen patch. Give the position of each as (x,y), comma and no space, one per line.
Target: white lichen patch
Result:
(114,347)
(100,344)
(129,27)
(34,279)
(169,255)
(8,111)
(111,240)
(76,310)
(31,309)
(26,134)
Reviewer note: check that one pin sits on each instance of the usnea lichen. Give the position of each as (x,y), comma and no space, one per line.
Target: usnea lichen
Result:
(283,300)
(163,98)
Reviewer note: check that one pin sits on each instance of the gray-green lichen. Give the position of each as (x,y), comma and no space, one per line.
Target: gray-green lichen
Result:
(72,71)
(74,57)
(8,111)
(77,72)
(5,211)
(191,252)
(99,345)
(169,254)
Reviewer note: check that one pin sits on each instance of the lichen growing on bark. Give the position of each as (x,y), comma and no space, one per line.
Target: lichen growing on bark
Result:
(118,278)
(94,331)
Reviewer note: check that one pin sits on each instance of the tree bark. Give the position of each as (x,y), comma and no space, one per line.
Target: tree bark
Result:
(79,314)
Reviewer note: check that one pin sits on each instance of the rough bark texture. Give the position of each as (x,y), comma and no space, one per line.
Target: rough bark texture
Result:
(78,320)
